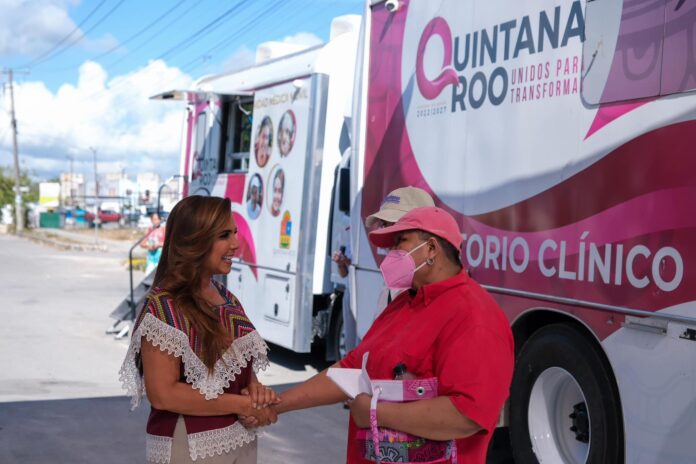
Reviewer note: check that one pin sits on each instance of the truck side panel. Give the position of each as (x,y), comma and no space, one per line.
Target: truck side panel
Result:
(556,196)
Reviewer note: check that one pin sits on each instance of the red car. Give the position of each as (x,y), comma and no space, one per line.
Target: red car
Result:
(105,215)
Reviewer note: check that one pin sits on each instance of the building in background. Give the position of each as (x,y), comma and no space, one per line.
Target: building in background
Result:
(148,184)
(130,194)
(72,189)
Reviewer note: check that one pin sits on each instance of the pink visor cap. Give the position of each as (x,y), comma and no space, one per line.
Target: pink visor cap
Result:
(429,219)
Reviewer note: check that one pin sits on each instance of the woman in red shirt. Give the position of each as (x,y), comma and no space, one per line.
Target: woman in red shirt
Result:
(445,326)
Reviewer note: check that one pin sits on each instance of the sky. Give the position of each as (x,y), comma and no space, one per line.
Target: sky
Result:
(84,71)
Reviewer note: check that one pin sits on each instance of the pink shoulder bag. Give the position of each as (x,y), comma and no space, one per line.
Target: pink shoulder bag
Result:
(382,445)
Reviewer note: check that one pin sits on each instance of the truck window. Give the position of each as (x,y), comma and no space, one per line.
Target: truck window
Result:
(236,135)
(622,53)
(678,61)
(636,50)
(201,132)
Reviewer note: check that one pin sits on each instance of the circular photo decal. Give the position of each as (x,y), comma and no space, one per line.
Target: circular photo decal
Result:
(254,197)
(286,133)
(264,142)
(276,191)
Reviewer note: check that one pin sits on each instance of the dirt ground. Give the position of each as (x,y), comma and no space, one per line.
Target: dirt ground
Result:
(113,233)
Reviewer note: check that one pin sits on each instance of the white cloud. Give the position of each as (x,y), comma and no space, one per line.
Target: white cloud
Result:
(115,116)
(32,27)
(112,114)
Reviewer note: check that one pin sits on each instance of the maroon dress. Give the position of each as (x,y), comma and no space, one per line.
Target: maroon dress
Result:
(165,327)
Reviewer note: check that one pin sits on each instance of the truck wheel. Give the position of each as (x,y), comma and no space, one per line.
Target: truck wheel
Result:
(564,405)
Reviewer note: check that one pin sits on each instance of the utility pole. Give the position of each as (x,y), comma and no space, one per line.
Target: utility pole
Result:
(19,216)
(72,185)
(72,182)
(97,221)
(96,179)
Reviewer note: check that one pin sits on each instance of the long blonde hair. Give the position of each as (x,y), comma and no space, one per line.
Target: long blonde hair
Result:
(191,230)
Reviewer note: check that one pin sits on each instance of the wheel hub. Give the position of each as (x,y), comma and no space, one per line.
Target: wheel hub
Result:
(555,437)
(581,423)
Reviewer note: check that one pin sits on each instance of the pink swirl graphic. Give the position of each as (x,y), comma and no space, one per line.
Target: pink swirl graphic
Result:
(431,89)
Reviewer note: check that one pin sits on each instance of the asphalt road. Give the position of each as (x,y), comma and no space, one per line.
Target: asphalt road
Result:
(60,398)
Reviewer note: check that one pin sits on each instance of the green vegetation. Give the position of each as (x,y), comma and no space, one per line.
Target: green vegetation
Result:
(7,188)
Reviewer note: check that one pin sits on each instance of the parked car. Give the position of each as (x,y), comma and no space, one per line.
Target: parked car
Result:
(105,215)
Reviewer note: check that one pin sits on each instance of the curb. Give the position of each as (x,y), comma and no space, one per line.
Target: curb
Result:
(63,245)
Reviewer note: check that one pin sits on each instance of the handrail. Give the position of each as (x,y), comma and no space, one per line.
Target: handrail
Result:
(159,192)
(131,302)
(592,305)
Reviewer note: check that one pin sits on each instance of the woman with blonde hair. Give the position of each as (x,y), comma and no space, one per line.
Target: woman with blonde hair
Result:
(193,351)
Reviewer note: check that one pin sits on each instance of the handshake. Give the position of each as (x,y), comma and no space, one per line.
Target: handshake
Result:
(261,408)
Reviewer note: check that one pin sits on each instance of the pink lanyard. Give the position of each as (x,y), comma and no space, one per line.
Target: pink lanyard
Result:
(376,391)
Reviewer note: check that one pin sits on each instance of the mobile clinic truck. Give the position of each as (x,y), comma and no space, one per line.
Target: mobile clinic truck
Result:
(561,136)
(269,138)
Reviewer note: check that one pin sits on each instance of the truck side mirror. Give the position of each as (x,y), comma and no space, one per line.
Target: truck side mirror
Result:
(344,190)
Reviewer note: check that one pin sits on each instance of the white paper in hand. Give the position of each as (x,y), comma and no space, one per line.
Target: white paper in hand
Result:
(352,381)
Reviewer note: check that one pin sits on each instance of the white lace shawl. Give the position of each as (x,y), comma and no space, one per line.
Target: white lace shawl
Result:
(158,449)
(174,341)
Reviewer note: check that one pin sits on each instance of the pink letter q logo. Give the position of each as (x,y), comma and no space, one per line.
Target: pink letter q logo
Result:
(431,89)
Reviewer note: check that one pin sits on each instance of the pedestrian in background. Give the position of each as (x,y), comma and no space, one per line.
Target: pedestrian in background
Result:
(153,242)
(193,350)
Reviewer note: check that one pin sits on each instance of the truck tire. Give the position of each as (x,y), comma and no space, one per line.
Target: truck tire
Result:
(564,405)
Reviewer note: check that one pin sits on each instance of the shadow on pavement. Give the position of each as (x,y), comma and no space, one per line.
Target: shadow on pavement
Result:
(77,431)
(105,431)
(297,361)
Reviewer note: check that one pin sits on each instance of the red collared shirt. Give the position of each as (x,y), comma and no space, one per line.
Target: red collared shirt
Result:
(452,330)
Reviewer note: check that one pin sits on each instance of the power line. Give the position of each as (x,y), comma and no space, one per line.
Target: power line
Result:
(128,40)
(199,33)
(207,29)
(254,21)
(148,41)
(61,41)
(84,34)
(239,32)
(111,66)
(141,31)
(203,31)
(205,55)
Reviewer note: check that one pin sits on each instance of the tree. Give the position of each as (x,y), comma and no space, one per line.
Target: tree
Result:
(7,188)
